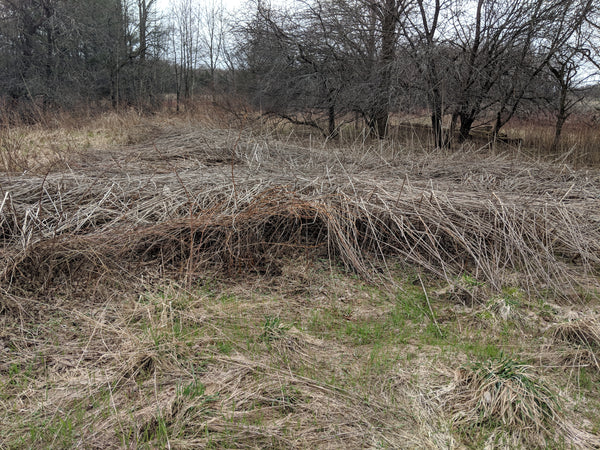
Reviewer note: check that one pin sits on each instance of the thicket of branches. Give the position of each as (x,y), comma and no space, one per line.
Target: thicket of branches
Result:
(60,53)
(466,59)
(316,62)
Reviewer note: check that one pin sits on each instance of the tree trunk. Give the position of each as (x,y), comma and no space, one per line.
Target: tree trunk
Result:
(436,118)
(561,117)
(388,42)
(212,83)
(142,28)
(331,117)
(379,123)
(114,87)
(466,123)
(452,130)
(562,114)
(499,122)
(436,125)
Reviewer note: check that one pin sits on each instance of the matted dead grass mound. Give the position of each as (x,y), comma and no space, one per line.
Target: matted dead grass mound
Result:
(582,339)
(581,332)
(203,198)
(446,236)
(256,202)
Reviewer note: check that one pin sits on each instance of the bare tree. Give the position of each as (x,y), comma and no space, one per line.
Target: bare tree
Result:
(421,34)
(213,25)
(291,66)
(145,8)
(387,14)
(490,54)
(326,60)
(185,46)
(564,68)
(549,28)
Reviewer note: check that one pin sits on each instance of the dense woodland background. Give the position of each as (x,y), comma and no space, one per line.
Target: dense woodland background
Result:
(320,63)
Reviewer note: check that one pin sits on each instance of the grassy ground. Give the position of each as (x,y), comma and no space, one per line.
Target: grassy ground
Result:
(205,288)
(313,358)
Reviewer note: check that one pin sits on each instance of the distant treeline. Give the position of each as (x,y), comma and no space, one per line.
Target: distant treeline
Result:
(315,63)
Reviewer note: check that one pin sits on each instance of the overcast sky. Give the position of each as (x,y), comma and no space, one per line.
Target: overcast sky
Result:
(230,5)
(163,5)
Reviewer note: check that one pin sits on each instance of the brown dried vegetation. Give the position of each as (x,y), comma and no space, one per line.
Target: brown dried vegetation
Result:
(225,288)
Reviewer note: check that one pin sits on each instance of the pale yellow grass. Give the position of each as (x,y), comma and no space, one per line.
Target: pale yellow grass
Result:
(48,146)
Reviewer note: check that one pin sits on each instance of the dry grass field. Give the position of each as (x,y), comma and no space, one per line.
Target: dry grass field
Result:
(186,284)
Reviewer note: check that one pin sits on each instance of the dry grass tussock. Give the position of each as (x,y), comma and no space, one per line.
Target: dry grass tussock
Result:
(582,336)
(584,332)
(116,332)
(504,391)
